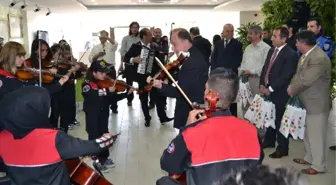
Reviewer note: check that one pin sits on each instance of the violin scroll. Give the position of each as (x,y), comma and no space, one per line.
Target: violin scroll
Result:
(210,105)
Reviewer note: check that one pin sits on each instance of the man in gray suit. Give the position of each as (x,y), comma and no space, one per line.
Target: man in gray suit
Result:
(312,84)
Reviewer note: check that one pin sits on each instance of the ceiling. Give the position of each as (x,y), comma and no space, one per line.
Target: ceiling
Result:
(80,5)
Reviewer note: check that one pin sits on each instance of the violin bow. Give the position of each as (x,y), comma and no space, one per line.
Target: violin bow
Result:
(40,63)
(173,80)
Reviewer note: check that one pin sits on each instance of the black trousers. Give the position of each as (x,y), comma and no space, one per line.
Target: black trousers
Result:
(273,135)
(96,126)
(157,97)
(233,109)
(130,81)
(62,106)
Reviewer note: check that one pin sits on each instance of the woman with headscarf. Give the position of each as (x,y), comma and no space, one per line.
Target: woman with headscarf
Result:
(33,152)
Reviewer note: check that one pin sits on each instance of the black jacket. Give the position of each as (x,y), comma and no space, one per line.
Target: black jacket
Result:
(281,73)
(209,150)
(33,152)
(191,78)
(203,45)
(229,57)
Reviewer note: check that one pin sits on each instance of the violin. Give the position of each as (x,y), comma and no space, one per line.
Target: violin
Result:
(171,66)
(27,74)
(210,107)
(161,75)
(82,174)
(118,84)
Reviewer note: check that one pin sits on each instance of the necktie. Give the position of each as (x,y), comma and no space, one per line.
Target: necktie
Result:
(302,59)
(225,43)
(275,53)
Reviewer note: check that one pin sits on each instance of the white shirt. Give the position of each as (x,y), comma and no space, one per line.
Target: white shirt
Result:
(254,57)
(279,49)
(305,55)
(109,48)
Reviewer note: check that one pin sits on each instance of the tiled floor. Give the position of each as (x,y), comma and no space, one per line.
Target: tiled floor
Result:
(137,151)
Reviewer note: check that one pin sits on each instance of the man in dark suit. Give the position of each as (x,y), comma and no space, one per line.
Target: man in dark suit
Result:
(191,77)
(292,29)
(141,57)
(279,68)
(228,53)
(202,44)
(267,35)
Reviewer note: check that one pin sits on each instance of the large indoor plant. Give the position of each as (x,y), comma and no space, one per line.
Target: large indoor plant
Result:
(276,12)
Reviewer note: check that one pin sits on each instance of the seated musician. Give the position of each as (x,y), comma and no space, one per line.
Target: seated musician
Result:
(33,152)
(208,147)
(11,58)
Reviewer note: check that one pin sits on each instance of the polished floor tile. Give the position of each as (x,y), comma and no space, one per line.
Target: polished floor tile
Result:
(138,149)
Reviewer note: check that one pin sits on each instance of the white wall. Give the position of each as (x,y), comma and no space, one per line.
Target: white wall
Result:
(78,27)
(251,16)
(4,12)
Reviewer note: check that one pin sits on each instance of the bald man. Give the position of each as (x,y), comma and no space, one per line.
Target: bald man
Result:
(228,53)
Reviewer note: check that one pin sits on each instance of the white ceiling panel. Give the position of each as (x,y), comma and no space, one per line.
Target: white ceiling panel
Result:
(82,5)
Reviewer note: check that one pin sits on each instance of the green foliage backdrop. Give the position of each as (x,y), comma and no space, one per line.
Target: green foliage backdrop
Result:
(276,12)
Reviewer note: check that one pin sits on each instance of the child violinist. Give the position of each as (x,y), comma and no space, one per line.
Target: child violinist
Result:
(11,58)
(96,108)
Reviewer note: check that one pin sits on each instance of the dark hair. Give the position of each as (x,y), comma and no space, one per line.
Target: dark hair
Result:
(54,48)
(284,33)
(291,24)
(194,30)
(307,37)
(34,58)
(131,25)
(317,20)
(143,32)
(263,175)
(215,39)
(62,41)
(226,83)
(182,34)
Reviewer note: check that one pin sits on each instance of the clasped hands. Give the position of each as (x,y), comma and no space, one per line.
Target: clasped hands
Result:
(264,91)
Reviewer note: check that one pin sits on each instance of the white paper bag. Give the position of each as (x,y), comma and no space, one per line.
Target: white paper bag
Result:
(254,110)
(285,121)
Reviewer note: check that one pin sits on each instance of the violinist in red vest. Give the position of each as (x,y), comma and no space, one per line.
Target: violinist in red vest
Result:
(33,152)
(209,147)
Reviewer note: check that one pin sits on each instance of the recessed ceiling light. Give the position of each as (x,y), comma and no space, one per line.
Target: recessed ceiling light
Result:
(214,0)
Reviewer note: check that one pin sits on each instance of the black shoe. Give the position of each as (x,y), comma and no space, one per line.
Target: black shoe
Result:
(151,105)
(147,123)
(277,154)
(129,103)
(332,148)
(166,120)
